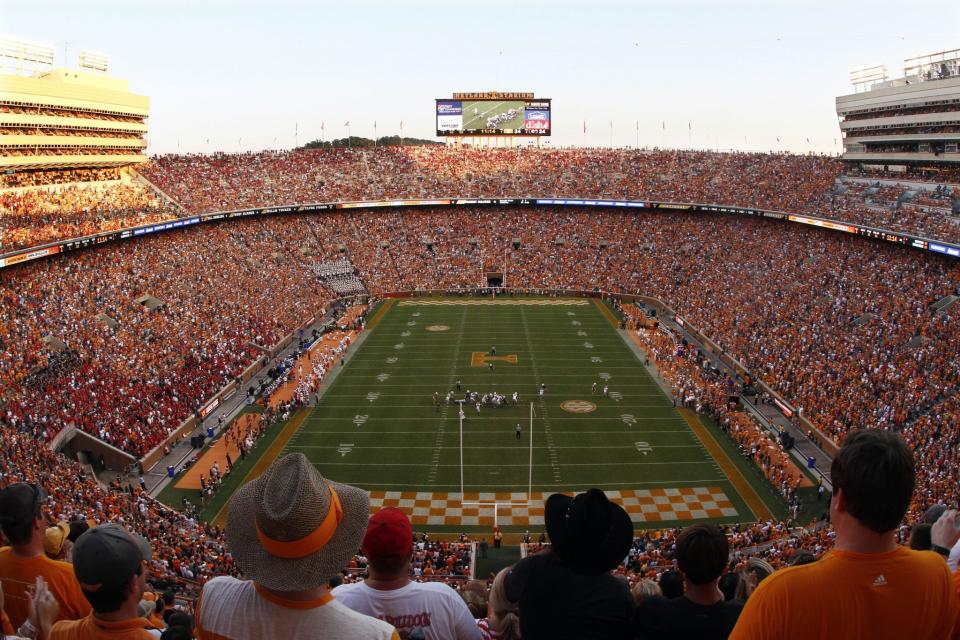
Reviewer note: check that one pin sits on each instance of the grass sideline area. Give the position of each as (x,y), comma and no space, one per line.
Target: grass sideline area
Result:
(377,427)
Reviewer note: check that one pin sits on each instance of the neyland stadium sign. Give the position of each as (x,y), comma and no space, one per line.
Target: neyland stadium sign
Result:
(494,95)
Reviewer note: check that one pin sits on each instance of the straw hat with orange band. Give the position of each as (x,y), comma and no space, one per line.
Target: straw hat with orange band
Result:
(291,529)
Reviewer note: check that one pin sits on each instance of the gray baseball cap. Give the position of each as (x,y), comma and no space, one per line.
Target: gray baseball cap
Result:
(107,556)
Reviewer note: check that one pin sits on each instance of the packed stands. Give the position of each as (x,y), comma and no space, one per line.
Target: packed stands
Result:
(206,183)
(221,285)
(32,217)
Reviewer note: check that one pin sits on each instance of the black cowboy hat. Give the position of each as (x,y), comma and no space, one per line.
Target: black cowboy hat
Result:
(588,532)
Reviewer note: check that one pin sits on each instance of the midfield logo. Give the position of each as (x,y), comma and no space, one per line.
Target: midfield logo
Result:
(482,359)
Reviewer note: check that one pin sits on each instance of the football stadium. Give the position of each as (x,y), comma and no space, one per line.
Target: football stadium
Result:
(477,385)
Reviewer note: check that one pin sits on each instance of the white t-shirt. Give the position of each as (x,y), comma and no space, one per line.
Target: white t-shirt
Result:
(240,610)
(432,607)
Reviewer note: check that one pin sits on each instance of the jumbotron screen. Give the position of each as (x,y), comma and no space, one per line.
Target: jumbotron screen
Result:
(492,117)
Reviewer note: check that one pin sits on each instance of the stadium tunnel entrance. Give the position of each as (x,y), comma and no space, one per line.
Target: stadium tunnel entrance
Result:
(494,279)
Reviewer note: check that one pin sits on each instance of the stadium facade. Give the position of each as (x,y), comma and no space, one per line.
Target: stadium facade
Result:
(905,122)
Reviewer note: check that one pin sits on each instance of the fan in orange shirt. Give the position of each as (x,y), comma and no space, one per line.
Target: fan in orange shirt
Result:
(867,586)
(23,524)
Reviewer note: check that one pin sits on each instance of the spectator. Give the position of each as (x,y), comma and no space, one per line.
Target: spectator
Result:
(24,525)
(290,531)
(112,566)
(728,584)
(43,610)
(671,584)
(876,588)
(502,622)
(567,591)
(56,544)
(702,612)
(179,627)
(645,588)
(427,610)
(474,594)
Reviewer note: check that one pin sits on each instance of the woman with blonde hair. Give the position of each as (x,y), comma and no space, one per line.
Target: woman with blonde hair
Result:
(502,621)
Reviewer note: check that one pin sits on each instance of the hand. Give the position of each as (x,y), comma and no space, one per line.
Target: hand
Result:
(944,532)
(43,607)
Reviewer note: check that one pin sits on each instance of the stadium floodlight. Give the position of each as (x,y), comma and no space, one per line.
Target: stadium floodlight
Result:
(933,66)
(15,54)
(865,77)
(92,61)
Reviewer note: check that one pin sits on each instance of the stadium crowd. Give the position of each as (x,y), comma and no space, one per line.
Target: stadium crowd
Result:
(33,217)
(840,326)
(293,535)
(881,356)
(205,183)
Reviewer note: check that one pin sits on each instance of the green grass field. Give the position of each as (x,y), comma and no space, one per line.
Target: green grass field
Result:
(378,428)
(487,108)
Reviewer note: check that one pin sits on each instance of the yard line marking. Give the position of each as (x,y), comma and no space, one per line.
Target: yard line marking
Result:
(486,432)
(495,448)
(554,464)
(501,465)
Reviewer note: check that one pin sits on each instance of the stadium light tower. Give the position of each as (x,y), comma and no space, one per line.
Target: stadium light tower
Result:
(15,54)
(865,77)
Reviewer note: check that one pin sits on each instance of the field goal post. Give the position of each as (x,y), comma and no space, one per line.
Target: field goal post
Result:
(496,504)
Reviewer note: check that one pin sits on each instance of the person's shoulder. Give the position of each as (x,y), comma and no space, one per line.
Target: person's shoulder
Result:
(434,587)
(929,560)
(655,604)
(360,624)
(223,585)
(347,588)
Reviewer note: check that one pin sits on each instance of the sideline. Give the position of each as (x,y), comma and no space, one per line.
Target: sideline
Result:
(606,311)
(271,454)
(743,487)
(382,311)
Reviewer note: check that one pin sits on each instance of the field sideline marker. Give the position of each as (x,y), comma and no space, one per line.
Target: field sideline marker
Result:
(742,486)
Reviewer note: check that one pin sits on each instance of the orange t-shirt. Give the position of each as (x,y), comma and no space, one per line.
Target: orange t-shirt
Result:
(90,628)
(19,573)
(897,594)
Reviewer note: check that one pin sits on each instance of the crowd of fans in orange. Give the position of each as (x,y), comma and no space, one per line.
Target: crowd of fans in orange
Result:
(839,325)
(880,357)
(39,216)
(205,183)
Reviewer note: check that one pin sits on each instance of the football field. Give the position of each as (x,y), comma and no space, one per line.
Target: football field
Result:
(377,426)
(475,114)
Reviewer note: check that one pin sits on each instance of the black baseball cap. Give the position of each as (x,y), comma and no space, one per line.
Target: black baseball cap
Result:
(20,503)
(107,556)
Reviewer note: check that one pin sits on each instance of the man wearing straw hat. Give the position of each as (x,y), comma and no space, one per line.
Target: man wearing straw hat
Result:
(289,532)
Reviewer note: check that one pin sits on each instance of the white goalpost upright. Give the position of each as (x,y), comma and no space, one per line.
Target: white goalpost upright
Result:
(494,503)
(530,480)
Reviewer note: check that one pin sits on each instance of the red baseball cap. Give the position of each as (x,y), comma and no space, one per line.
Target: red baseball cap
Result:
(389,534)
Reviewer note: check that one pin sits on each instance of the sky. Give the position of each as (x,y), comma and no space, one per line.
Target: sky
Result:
(237,76)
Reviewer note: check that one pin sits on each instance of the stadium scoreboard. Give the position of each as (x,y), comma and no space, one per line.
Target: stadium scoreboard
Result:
(493,114)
